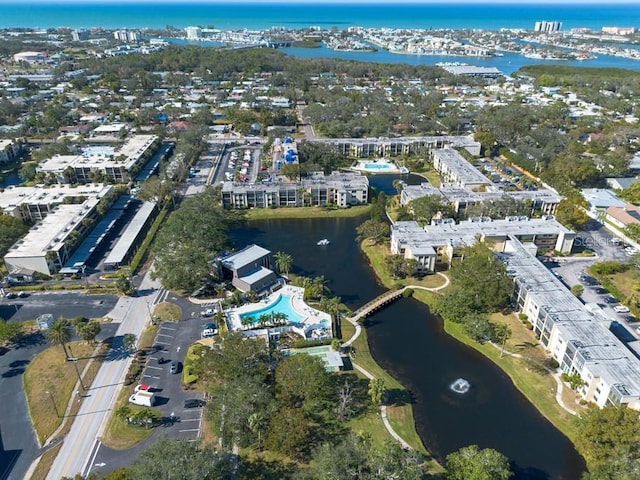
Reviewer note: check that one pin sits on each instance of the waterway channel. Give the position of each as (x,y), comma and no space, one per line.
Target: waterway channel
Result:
(411,344)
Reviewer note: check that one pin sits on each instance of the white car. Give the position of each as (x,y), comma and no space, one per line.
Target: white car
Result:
(620,309)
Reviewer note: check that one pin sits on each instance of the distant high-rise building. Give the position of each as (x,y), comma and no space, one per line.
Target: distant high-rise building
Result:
(79,35)
(127,36)
(193,33)
(547,27)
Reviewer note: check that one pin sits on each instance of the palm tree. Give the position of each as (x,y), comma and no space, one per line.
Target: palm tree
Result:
(283,262)
(60,334)
(318,287)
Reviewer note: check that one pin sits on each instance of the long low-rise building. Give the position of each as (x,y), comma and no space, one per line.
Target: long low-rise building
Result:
(32,204)
(50,243)
(454,169)
(119,166)
(460,198)
(578,337)
(442,241)
(392,147)
(340,188)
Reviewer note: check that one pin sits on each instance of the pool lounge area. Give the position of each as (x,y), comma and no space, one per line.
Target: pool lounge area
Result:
(302,319)
(378,166)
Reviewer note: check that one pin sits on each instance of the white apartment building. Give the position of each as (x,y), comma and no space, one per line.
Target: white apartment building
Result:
(576,335)
(50,243)
(118,166)
(441,242)
(9,150)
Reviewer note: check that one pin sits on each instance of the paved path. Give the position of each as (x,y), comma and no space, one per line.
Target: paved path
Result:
(82,441)
(366,373)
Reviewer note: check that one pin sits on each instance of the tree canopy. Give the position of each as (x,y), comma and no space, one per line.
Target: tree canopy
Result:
(193,236)
(471,463)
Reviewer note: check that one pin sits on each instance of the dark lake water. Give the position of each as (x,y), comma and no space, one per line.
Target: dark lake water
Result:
(10,179)
(410,343)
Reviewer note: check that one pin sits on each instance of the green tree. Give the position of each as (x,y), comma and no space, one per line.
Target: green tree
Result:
(283,262)
(9,331)
(571,214)
(480,284)
(11,230)
(232,405)
(290,432)
(425,208)
(170,459)
(607,432)
(89,331)
(60,334)
(373,230)
(237,356)
(577,290)
(376,390)
(471,463)
(302,382)
(128,341)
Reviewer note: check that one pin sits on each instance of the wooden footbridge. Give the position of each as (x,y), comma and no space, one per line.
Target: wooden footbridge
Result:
(377,303)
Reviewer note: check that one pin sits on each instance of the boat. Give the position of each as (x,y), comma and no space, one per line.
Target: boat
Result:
(322,242)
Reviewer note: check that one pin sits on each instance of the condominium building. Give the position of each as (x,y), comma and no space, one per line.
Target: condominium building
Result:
(392,147)
(32,204)
(50,243)
(576,335)
(117,166)
(340,188)
(442,242)
(454,169)
(9,150)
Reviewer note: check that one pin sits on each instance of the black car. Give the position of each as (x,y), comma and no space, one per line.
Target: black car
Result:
(600,290)
(174,367)
(11,295)
(194,403)
(610,300)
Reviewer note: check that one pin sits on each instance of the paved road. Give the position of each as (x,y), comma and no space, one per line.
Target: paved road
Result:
(173,339)
(81,442)
(65,304)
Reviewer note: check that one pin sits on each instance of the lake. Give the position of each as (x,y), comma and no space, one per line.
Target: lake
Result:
(411,344)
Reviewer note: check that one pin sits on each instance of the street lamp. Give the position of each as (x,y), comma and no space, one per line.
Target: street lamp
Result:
(55,407)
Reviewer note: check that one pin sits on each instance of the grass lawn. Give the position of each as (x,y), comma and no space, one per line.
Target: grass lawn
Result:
(431,175)
(44,465)
(305,212)
(539,388)
(118,434)
(167,311)
(50,372)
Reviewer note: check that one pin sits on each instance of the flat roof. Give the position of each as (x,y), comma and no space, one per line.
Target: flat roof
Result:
(602,198)
(256,275)
(587,330)
(14,196)
(245,256)
(458,166)
(130,235)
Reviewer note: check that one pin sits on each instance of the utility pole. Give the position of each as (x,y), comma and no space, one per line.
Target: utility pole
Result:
(55,407)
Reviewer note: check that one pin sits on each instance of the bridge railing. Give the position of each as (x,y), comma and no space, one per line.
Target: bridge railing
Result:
(376,302)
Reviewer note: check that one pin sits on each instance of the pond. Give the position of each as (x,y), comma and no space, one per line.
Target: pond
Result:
(411,344)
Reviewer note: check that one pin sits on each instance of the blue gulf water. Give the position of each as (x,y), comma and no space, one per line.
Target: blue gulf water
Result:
(302,14)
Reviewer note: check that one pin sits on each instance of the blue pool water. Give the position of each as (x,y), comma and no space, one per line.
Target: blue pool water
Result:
(282,305)
(377,166)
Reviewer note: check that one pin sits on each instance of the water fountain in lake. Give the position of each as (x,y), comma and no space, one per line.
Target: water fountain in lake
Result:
(460,386)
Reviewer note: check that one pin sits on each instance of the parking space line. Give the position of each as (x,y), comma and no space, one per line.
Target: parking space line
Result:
(155,368)
(167,328)
(151,376)
(163,343)
(189,419)
(164,335)
(190,430)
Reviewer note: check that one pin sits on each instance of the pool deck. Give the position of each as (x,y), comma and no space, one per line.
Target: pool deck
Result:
(313,323)
(385,167)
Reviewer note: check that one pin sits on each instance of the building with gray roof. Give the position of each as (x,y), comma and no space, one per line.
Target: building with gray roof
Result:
(454,168)
(340,188)
(250,269)
(577,336)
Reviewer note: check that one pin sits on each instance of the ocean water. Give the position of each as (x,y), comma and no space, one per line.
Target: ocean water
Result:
(230,15)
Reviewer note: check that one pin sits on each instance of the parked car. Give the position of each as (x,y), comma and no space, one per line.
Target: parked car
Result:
(143,387)
(600,290)
(194,403)
(23,294)
(620,309)
(209,312)
(11,295)
(174,367)
(610,300)
(145,399)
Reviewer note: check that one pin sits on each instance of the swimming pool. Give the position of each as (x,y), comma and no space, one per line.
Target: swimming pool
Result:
(378,166)
(282,305)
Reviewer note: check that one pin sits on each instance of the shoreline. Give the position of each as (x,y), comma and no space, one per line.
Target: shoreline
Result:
(508,364)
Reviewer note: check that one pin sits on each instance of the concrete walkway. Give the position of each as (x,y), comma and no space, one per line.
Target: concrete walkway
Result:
(555,375)
(366,373)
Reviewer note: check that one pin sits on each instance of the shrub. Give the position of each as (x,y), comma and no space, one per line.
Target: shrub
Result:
(523,317)
(312,343)
(408,293)
(553,363)
(188,377)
